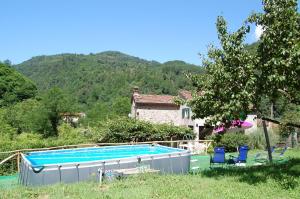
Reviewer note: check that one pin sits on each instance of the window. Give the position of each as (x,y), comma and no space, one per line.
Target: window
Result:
(191,127)
(186,113)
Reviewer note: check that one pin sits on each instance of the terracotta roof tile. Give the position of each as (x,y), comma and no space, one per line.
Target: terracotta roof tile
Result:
(154,99)
(159,99)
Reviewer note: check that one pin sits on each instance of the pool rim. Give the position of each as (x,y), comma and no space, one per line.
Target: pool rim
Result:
(45,151)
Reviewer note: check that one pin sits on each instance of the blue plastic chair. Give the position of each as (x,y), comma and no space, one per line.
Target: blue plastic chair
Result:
(242,157)
(219,156)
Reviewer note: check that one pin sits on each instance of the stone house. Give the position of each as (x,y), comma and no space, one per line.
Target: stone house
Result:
(72,118)
(162,109)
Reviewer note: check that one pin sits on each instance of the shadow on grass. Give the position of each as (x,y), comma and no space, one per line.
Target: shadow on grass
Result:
(286,174)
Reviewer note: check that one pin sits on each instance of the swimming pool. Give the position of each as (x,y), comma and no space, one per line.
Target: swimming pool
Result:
(73,165)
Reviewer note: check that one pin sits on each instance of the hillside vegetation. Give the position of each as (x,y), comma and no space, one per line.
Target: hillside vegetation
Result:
(103,77)
(14,87)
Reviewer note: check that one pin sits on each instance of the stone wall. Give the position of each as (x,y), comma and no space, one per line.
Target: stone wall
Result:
(158,114)
(164,114)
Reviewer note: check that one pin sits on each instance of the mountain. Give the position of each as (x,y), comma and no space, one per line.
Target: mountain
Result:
(104,76)
(14,87)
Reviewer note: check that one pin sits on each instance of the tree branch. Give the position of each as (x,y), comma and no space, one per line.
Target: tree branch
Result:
(281,123)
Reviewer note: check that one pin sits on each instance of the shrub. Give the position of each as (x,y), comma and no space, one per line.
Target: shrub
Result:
(127,130)
(229,140)
(69,135)
(28,116)
(7,132)
(233,140)
(29,140)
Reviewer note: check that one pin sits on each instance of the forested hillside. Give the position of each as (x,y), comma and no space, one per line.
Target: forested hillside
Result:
(14,87)
(103,77)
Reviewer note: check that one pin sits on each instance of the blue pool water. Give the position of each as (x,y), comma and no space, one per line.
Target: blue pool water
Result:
(95,154)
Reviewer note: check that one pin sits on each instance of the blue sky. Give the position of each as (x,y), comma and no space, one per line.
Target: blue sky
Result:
(159,30)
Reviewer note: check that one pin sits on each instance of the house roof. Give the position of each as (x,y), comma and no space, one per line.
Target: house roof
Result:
(159,99)
(154,99)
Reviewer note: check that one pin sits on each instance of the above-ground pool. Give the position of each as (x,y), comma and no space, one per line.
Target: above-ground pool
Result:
(74,165)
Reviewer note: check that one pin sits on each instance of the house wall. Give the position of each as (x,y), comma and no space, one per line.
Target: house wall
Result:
(165,114)
(257,124)
(157,114)
(133,110)
(253,120)
(185,121)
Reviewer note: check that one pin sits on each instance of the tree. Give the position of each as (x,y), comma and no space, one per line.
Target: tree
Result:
(7,132)
(233,84)
(7,62)
(55,102)
(99,112)
(278,57)
(28,116)
(121,106)
(278,62)
(227,88)
(236,80)
(14,87)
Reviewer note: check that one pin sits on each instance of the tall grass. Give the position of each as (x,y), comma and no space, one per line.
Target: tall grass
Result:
(257,139)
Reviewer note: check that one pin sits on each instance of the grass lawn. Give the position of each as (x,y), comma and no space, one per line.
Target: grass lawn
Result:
(201,162)
(268,181)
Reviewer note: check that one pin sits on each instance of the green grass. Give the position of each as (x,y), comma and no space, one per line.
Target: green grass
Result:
(281,180)
(202,161)
(8,181)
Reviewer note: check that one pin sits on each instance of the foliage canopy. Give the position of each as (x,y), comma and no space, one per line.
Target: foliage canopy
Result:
(227,89)
(238,81)
(106,76)
(14,87)
(278,54)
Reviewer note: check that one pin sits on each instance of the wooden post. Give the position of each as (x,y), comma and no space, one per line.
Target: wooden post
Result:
(267,141)
(18,161)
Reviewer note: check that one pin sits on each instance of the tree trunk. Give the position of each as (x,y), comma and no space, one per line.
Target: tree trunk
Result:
(294,139)
(267,141)
(272,110)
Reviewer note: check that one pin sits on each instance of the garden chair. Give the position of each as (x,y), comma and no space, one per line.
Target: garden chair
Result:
(280,154)
(188,146)
(219,156)
(263,157)
(242,157)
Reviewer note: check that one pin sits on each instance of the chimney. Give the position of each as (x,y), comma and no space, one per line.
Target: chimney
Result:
(136,91)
